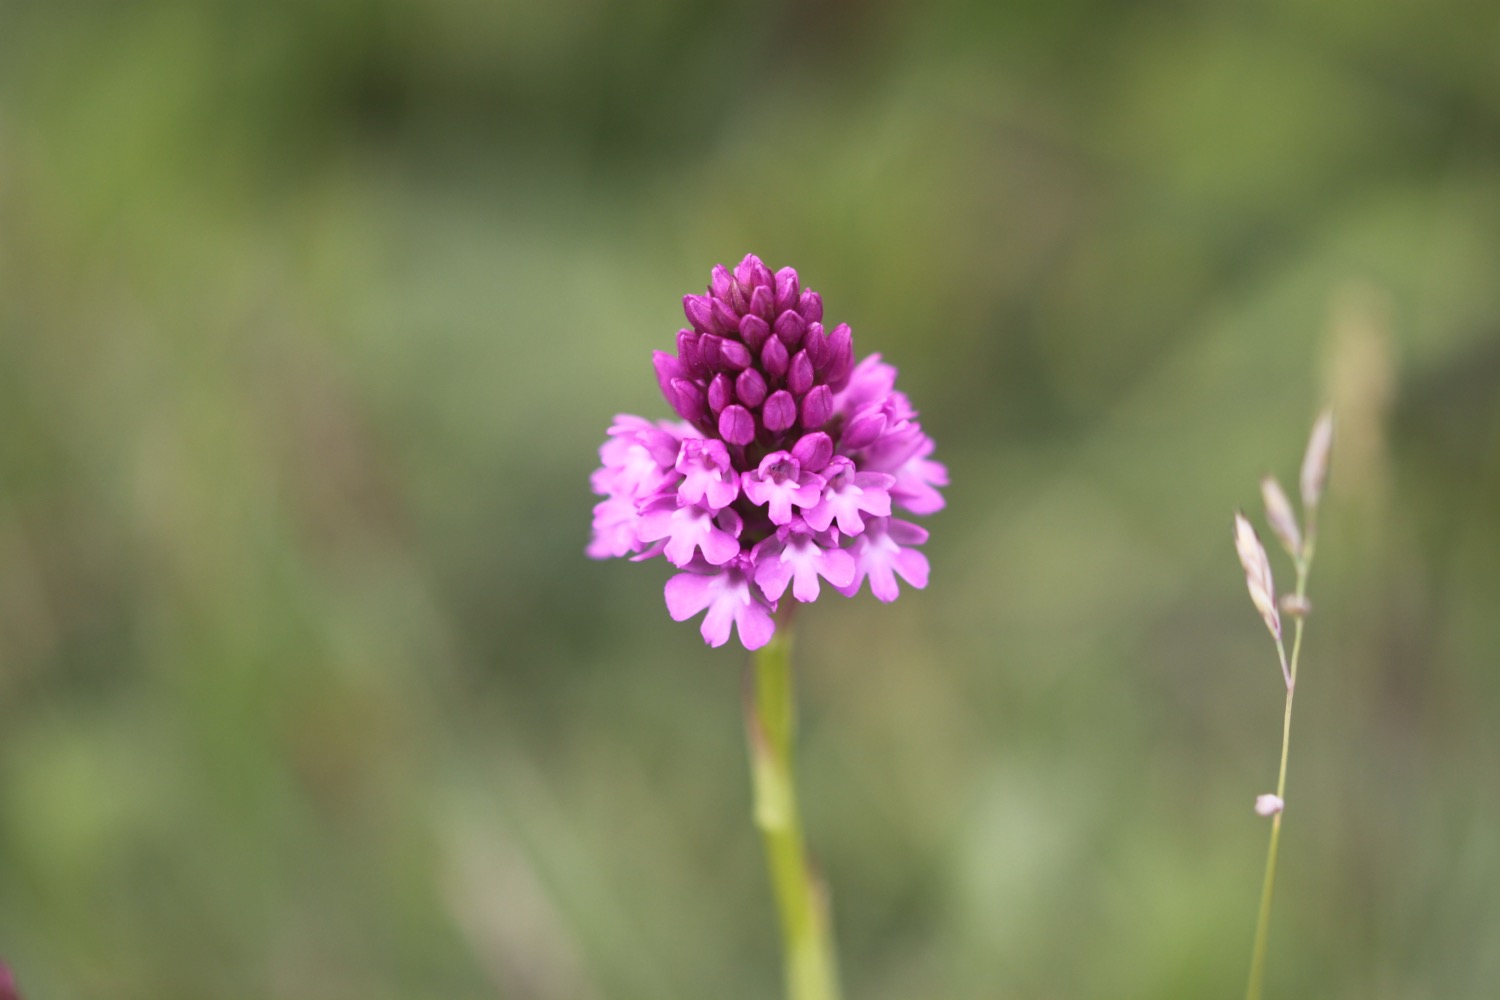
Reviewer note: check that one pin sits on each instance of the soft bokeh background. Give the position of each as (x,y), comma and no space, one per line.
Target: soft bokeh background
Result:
(313,314)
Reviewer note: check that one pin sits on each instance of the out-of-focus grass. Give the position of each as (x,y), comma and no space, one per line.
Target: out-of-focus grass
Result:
(312,316)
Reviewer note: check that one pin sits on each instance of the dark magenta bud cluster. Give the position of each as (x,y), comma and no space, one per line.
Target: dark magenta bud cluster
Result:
(756,368)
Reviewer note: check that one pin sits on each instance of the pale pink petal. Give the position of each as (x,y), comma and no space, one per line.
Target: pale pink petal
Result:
(805,581)
(772,574)
(905,533)
(847,505)
(913,567)
(688,529)
(870,381)
(687,594)
(838,567)
(615,528)
(756,624)
(916,483)
(880,557)
(882,580)
(719,547)
(716,624)
(730,602)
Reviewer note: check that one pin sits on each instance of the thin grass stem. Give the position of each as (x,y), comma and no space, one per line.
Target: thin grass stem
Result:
(1268,886)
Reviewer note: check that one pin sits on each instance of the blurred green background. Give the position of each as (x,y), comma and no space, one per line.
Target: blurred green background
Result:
(313,315)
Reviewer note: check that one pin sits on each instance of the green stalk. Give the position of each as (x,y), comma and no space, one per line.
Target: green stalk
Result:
(801,899)
(1268,887)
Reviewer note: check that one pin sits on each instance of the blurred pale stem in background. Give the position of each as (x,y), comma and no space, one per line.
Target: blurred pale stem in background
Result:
(1300,545)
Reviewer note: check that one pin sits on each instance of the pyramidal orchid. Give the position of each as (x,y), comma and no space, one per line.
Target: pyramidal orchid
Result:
(787,465)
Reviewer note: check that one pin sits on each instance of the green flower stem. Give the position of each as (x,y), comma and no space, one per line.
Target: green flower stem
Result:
(770,722)
(1268,887)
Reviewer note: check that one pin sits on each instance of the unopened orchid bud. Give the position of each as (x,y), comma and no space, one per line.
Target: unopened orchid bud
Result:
(688,399)
(815,343)
(708,355)
(719,280)
(810,305)
(799,376)
(725,320)
(733,355)
(699,310)
(736,425)
(690,352)
(817,407)
(754,331)
(813,451)
(779,411)
(668,367)
(763,302)
(787,290)
(791,328)
(865,428)
(750,388)
(774,359)
(841,356)
(752,271)
(720,393)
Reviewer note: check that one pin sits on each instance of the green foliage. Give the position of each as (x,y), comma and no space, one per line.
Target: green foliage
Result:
(312,316)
